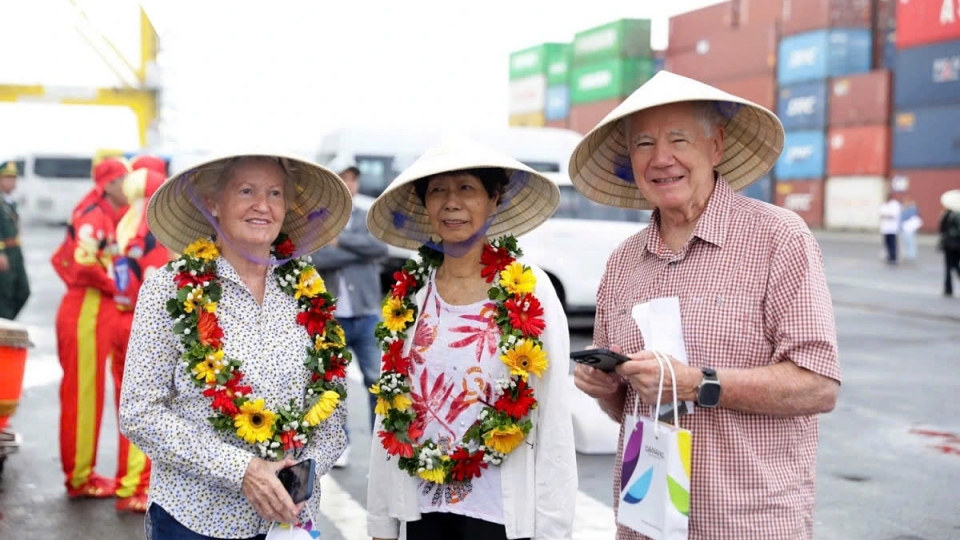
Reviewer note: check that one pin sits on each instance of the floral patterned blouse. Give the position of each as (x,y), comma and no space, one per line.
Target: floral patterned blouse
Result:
(197,472)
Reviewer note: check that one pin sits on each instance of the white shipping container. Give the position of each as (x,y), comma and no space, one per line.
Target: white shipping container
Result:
(528,94)
(852,203)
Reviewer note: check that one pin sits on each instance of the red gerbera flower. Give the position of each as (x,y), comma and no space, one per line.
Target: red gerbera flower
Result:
(494,260)
(393,359)
(315,319)
(526,315)
(234,384)
(285,248)
(208,328)
(466,466)
(415,429)
(337,369)
(403,282)
(394,447)
(186,278)
(288,438)
(222,400)
(516,402)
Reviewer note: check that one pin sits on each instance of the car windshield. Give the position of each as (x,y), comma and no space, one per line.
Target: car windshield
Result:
(74,168)
(573,205)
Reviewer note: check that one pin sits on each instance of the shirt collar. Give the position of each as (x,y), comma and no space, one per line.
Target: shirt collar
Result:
(712,225)
(225,270)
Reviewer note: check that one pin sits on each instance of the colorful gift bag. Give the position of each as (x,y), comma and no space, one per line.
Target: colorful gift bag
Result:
(655,474)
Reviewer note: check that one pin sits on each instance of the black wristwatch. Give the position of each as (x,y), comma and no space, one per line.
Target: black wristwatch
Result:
(708,393)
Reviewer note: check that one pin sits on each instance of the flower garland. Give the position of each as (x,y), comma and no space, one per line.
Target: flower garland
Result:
(503,424)
(194,312)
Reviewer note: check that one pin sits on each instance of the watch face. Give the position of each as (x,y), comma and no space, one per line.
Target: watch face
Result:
(709,395)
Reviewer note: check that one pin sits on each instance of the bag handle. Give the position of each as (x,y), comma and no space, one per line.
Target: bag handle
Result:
(661,360)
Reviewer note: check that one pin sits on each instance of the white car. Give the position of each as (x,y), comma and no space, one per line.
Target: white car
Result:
(572,247)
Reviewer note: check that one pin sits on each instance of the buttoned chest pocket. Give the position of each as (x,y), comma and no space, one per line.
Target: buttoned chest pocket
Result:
(723,330)
(622,329)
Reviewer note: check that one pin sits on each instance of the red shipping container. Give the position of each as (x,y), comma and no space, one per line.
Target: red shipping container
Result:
(759,12)
(886,14)
(801,16)
(861,150)
(925,187)
(805,197)
(730,54)
(761,90)
(689,28)
(586,116)
(561,123)
(922,22)
(860,99)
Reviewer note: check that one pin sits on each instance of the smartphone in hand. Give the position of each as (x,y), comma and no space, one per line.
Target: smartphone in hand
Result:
(602,359)
(298,480)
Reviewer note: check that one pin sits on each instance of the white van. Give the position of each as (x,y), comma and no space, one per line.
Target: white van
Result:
(51,185)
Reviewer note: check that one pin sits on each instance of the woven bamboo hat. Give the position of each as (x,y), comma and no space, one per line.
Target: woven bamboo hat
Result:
(951,200)
(316,212)
(399,218)
(600,164)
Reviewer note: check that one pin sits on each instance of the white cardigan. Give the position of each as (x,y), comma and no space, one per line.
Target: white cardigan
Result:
(539,482)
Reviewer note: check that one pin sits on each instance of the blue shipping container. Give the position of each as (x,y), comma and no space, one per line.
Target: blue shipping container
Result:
(926,138)
(927,75)
(823,54)
(803,106)
(761,190)
(804,156)
(889,58)
(558,102)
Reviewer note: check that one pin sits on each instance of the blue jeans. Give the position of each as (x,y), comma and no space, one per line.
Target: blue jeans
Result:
(359,334)
(909,240)
(163,526)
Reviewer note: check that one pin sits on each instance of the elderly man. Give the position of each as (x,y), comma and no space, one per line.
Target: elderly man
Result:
(756,315)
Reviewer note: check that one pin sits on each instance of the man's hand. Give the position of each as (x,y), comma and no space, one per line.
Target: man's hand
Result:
(265,492)
(643,373)
(595,383)
(4,263)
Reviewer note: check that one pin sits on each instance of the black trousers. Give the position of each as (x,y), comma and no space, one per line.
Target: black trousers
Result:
(891,242)
(444,526)
(951,259)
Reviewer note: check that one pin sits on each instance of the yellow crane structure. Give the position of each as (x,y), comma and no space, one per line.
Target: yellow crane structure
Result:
(134,92)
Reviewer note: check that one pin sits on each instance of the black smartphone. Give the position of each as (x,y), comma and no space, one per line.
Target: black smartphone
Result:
(602,359)
(298,480)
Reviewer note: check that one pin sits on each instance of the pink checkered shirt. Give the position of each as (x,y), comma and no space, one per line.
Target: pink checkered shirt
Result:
(752,293)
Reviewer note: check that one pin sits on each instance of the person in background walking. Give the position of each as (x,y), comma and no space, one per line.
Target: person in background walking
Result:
(950,237)
(890,226)
(14,287)
(351,269)
(910,223)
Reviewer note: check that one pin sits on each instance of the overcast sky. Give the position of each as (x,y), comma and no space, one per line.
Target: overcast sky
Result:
(285,72)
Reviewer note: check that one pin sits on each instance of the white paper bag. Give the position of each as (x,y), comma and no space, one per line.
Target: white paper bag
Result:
(655,473)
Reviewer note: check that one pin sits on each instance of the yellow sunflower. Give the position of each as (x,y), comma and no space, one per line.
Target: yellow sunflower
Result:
(208,369)
(254,423)
(202,249)
(525,358)
(210,307)
(323,408)
(396,315)
(504,440)
(518,280)
(437,476)
(310,285)
(325,340)
(400,402)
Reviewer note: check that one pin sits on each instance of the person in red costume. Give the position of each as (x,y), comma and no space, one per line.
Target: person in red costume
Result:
(84,263)
(138,255)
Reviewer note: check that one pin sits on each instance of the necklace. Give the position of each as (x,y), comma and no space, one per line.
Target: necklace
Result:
(236,410)
(501,425)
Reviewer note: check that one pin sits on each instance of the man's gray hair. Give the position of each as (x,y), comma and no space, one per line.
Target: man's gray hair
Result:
(708,112)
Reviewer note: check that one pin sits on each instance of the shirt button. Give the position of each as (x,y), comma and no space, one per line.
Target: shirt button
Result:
(671,264)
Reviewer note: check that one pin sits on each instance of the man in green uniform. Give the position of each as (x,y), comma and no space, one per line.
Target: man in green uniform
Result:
(14,288)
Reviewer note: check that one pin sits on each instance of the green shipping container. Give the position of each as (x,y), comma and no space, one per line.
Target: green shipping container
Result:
(543,59)
(626,38)
(609,79)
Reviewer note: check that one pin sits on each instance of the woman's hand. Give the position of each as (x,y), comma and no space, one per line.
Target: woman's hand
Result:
(265,492)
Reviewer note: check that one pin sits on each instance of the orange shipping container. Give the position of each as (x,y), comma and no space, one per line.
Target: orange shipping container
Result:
(805,197)
(729,54)
(761,90)
(689,28)
(759,12)
(561,123)
(925,187)
(860,99)
(586,116)
(860,150)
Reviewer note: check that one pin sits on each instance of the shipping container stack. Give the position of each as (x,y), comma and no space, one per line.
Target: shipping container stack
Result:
(703,42)
(607,64)
(926,121)
(823,41)
(538,85)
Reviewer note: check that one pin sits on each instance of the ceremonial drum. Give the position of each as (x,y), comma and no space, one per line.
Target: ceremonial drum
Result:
(14,343)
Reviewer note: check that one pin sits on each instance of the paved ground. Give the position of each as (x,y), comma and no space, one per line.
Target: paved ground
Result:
(889,462)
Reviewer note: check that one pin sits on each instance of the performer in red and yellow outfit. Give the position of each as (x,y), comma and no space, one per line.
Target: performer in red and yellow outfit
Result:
(139,254)
(84,263)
